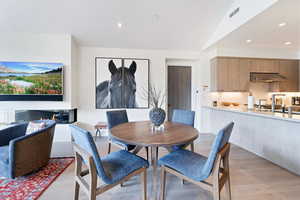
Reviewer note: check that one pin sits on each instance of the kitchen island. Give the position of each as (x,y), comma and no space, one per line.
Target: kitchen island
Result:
(273,136)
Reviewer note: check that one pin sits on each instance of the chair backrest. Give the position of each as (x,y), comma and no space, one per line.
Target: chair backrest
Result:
(220,141)
(186,117)
(85,141)
(23,150)
(11,132)
(116,117)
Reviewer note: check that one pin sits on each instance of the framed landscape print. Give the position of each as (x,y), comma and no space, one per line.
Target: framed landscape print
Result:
(122,83)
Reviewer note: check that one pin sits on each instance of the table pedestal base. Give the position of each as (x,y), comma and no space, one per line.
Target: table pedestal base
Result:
(154,189)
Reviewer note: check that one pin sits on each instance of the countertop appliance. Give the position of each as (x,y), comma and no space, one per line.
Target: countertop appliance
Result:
(277,99)
(296,101)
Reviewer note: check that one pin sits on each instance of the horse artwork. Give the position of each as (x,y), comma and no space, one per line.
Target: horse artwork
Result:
(121,83)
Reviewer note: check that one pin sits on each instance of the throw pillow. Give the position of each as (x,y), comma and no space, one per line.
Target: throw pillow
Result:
(34,126)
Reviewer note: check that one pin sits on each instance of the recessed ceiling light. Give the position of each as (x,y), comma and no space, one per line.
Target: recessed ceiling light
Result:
(282,24)
(287,43)
(120,25)
(248,41)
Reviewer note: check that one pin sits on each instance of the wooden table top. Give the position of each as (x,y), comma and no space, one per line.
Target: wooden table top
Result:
(142,134)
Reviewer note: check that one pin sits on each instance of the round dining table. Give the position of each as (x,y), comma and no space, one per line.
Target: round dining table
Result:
(143,134)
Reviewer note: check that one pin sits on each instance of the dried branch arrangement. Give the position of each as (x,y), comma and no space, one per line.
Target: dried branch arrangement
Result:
(156,97)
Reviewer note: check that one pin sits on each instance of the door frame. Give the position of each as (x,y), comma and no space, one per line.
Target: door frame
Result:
(182,63)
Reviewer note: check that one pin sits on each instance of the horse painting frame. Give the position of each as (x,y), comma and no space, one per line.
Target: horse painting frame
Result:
(122,83)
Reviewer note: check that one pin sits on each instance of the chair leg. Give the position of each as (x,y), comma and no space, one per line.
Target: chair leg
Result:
(156,153)
(109,147)
(162,184)
(78,169)
(77,186)
(227,183)
(92,196)
(216,193)
(144,184)
(147,153)
(93,180)
(215,182)
(228,188)
(192,147)
(93,187)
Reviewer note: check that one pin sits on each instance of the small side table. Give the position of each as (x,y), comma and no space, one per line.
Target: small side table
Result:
(100,126)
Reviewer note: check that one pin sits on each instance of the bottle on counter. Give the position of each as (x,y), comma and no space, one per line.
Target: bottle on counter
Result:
(251,101)
(215,103)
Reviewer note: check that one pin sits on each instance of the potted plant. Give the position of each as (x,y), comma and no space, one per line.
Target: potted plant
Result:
(156,99)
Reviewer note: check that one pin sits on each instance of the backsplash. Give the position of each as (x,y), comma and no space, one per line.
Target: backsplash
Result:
(258,90)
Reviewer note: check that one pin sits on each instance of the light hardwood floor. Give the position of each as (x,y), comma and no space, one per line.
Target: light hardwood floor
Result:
(252,178)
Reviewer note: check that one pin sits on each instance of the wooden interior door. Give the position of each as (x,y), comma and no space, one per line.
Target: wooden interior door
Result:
(179,88)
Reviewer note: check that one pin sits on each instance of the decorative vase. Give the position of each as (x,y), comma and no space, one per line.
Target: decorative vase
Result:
(157,116)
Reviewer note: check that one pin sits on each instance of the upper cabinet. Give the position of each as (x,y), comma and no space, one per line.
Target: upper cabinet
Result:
(264,65)
(289,69)
(230,74)
(219,74)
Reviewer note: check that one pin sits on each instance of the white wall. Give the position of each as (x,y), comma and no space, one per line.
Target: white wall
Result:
(87,112)
(39,48)
(74,74)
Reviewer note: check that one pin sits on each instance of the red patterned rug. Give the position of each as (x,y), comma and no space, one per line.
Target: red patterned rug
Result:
(32,186)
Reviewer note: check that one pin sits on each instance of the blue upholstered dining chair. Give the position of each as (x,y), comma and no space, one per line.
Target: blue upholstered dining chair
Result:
(115,118)
(197,168)
(113,169)
(186,117)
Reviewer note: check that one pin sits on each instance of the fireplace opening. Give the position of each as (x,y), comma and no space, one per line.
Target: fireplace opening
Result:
(60,116)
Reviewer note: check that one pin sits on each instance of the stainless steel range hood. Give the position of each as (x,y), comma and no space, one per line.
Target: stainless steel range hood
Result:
(266,77)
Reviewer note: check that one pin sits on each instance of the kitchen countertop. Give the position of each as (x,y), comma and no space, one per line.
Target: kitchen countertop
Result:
(256,112)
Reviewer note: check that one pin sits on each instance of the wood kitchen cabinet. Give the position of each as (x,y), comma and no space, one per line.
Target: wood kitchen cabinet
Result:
(229,75)
(244,74)
(232,74)
(219,75)
(290,70)
(264,65)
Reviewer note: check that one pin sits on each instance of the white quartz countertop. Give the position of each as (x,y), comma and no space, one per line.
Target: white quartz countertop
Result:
(256,112)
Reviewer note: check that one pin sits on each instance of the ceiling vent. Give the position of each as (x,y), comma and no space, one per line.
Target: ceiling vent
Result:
(233,13)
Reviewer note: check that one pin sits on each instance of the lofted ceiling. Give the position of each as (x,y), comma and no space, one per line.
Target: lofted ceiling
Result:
(146,24)
(264,30)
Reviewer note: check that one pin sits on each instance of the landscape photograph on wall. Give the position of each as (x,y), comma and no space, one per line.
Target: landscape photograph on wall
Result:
(31,78)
